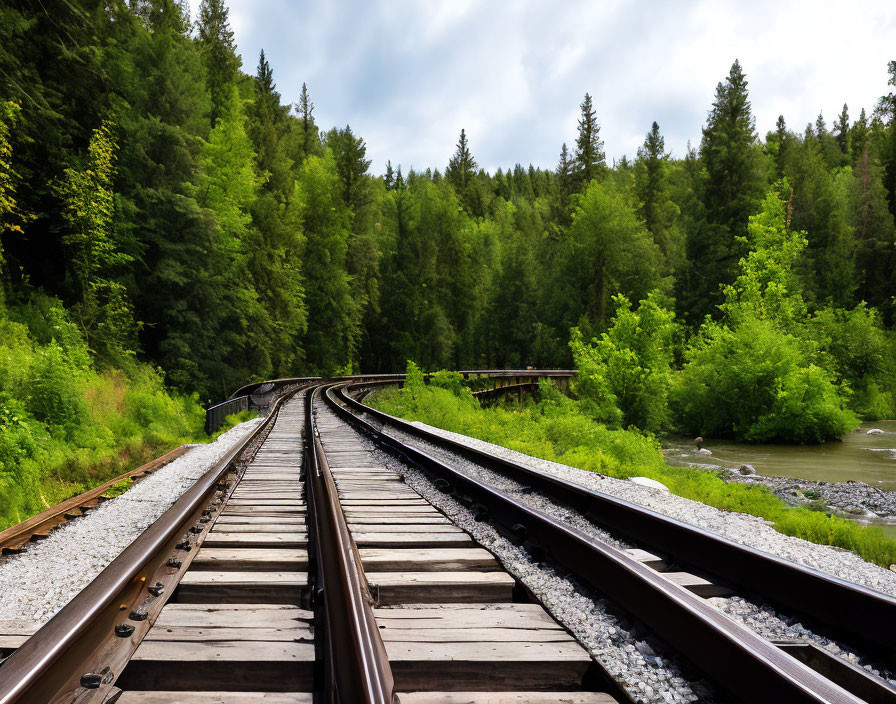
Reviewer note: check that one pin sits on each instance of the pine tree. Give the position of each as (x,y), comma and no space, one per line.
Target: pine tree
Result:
(858,136)
(590,157)
(267,128)
(219,52)
(887,110)
(732,191)
(841,127)
(875,235)
(389,176)
(461,167)
(305,110)
(821,129)
(656,207)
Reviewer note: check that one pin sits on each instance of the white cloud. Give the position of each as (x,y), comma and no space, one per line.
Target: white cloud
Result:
(408,75)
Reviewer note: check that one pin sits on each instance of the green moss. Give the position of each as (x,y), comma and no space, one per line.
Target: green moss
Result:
(555,428)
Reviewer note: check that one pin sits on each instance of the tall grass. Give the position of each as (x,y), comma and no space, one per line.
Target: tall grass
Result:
(555,428)
(65,425)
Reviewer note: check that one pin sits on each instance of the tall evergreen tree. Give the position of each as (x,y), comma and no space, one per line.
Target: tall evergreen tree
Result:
(656,207)
(887,111)
(305,111)
(218,52)
(461,167)
(732,191)
(589,157)
(841,127)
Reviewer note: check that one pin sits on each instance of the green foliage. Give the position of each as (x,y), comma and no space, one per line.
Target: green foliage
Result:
(607,251)
(751,376)
(64,426)
(558,429)
(625,375)
(861,356)
(452,381)
(103,310)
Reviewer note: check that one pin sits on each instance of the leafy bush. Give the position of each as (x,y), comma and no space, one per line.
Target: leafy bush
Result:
(452,381)
(752,376)
(625,375)
(754,383)
(64,426)
(860,354)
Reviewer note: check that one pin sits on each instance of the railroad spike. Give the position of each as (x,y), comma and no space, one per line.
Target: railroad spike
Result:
(157,589)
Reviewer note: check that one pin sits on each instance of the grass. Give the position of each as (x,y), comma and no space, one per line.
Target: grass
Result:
(555,428)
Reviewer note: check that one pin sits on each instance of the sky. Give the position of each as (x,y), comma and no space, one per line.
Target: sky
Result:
(407,75)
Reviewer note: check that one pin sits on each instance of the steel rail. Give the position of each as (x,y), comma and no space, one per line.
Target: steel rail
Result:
(863,614)
(79,653)
(14,537)
(745,665)
(356,667)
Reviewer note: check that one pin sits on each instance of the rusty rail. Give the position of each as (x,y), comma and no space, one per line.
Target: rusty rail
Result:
(16,537)
(356,667)
(79,653)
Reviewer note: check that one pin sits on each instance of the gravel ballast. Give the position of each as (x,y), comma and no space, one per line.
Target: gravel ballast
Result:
(37,583)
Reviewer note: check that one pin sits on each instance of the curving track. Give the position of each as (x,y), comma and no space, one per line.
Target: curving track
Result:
(301,565)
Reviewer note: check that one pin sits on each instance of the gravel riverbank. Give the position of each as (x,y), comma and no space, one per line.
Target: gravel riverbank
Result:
(35,584)
(857,500)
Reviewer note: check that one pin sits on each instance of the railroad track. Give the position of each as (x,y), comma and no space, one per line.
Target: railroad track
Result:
(301,565)
(16,538)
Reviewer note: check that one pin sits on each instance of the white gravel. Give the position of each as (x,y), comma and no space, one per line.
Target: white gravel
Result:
(37,583)
(739,527)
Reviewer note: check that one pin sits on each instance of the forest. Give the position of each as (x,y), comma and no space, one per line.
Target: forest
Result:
(170,228)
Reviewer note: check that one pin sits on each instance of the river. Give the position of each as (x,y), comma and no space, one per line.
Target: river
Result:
(858,457)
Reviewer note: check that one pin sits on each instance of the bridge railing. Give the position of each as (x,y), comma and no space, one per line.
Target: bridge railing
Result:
(215,415)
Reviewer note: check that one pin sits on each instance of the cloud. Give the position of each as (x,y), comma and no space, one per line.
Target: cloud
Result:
(408,75)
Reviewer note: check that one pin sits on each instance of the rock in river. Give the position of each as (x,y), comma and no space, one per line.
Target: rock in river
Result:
(874,431)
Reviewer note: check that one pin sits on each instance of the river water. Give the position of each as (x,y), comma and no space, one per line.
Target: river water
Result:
(858,457)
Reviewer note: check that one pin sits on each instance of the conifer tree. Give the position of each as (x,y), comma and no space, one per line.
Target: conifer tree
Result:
(589,157)
(389,176)
(841,127)
(732,190)
(887,110)
(656,207)
(461,167)
(219,53)
(875,235)
(858,136)
(305,110)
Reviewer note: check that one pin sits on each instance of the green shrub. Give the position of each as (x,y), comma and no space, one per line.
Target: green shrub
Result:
(64,426)
(754,383)
(624,376)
